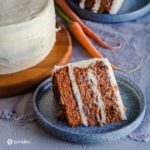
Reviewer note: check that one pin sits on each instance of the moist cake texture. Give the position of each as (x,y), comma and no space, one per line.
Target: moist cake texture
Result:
(88,93)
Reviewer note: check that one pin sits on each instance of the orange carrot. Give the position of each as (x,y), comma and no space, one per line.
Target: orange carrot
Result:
(64,6)
(80,36)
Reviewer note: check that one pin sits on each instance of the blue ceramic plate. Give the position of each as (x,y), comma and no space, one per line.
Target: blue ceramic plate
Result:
(46,110)
(131,10)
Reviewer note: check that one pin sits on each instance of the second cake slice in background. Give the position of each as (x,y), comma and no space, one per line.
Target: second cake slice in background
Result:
(102,6)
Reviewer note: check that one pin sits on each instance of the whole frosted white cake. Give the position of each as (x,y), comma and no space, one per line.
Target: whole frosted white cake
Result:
(27,33)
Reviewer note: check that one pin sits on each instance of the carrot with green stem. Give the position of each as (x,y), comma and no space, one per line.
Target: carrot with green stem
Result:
(79,34)
(64,6)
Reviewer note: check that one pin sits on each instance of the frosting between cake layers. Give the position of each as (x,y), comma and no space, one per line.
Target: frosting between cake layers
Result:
(82,4)
(100,102)
(116,5)
(77,95)
(92,77)
(96,6)
(27,33)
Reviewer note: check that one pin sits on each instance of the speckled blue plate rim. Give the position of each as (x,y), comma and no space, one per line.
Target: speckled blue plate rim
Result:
(108,136)
(107,18)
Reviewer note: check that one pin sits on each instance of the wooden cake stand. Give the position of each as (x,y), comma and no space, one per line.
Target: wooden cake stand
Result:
(27,80)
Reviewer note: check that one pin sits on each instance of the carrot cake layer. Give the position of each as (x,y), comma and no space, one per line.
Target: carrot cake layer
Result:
(65,96)
(88,93)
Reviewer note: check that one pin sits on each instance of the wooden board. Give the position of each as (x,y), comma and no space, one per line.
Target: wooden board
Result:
(27,80)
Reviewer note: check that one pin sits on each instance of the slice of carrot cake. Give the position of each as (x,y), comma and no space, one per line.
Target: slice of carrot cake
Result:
(101,6)
(88,93)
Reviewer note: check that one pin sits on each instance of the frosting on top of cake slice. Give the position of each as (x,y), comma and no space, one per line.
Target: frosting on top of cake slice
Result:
(100,102)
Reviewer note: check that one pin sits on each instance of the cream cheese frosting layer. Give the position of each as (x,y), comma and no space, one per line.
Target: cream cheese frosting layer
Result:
(97,6)
(16,11)
(77,95)
(92,77)
(82,4)
(27,34)
(100,102)
(116,5)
